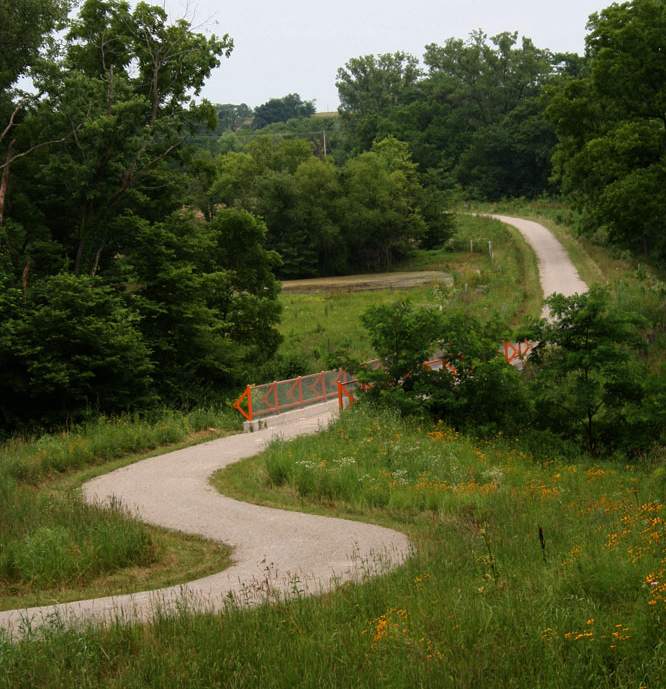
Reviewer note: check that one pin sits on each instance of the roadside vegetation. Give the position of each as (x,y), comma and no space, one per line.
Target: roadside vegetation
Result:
(55,548)
(479,598)
(323,329)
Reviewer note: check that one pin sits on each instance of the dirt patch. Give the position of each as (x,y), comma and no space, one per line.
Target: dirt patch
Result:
(371,281)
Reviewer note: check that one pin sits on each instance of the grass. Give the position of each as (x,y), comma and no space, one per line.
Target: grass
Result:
(55,548)
(637,286)
(480,604)
(317,326)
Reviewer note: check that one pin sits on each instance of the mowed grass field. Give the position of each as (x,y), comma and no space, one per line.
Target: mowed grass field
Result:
(317,326)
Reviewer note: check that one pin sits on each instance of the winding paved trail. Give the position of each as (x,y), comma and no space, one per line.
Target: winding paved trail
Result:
(276,552)
(556,271)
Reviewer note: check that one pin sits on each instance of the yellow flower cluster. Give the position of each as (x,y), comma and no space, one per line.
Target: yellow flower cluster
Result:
(656,583)
(583,634)
(443,434)
(393,625)
(644,531)
(542,490)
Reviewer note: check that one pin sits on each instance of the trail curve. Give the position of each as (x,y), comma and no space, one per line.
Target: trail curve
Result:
(276,552)
(557,272)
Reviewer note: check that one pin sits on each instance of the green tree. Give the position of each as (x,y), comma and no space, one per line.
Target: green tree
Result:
(282,109)
(120,103)
(67,346)
(610,119)
(381,217)
(369,87)
(25,31)
(207,297)
(586,375)
(232,117)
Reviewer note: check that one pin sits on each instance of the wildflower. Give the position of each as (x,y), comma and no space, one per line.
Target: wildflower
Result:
(548,634)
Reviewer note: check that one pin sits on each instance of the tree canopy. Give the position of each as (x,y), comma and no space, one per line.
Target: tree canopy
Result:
(282,109)
(116,289)
(611,124)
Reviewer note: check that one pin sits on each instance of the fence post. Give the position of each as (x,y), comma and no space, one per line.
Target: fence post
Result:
(250,413)
(490,248)
(324,387)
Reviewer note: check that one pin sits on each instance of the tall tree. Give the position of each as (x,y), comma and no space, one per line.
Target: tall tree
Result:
(25,29)
(611,124)
(121,102)
(282,109)
(369,87)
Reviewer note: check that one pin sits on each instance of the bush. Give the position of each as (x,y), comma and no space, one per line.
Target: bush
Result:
(68,346)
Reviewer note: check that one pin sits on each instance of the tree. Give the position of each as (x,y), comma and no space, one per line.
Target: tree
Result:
(510,157)
(119,102)
(232,117)
(475,115)
(586,376)
(281,110)
(381,217)
(369,87)
(69,346)
(25,28)
(207,297)
(610,120)
(476,390)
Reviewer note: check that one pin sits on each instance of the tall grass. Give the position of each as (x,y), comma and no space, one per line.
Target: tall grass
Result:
(480,604)
(29,460)
(48,537)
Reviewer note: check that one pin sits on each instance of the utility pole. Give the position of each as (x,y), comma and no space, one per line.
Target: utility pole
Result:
(324,137)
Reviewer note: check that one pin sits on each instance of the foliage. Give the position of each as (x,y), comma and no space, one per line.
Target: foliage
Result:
(475,389)
(108,276)
(282,109)
(325,219)
(589,381)
(69,346)
(475,116)
(232,117)
(207,297)
(24,28)
(611,128)
(368,87)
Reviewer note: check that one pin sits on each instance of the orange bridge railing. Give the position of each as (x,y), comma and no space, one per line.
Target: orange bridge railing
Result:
(258,401)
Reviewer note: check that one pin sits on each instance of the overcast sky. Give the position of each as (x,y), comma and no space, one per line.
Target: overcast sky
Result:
(298,45)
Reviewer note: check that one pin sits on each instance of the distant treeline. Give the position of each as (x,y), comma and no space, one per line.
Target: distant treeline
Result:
(138,265)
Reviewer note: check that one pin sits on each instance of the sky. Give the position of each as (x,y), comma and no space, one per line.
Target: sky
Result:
(297,46)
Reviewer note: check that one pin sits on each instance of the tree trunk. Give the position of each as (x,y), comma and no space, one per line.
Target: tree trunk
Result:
(25,278)
(4,182)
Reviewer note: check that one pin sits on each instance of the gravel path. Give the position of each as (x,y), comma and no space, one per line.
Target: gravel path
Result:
(276,552)
(556,271)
